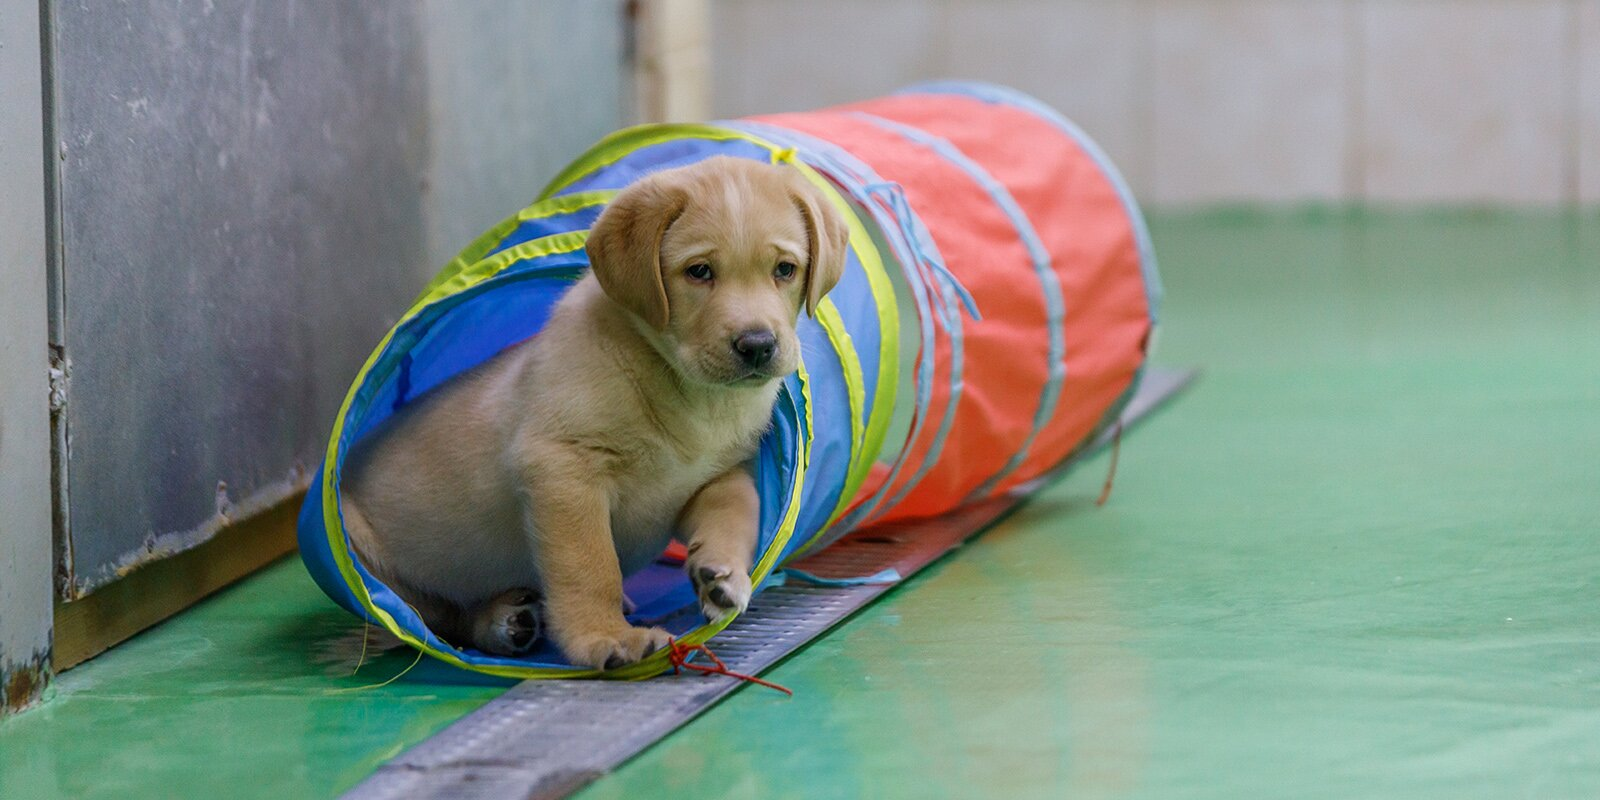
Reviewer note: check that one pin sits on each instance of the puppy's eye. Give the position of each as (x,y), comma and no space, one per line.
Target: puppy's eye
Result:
(785,270)
(699,272)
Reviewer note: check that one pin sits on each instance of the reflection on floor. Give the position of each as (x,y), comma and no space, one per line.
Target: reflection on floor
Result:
(1359,558)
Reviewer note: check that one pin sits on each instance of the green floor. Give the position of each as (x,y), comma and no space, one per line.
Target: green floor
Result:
(1361,558)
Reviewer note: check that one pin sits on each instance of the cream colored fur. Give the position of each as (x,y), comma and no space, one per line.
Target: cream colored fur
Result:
(522,492)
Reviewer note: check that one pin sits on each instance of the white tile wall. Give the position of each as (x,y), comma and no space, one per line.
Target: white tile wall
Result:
(1587,97)
(1249,100)
(786,55)
(1079,56)
(1205,101)
(491,142)
(1464,101)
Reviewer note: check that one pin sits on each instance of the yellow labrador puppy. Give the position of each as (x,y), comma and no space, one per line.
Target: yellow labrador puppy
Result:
(516,497)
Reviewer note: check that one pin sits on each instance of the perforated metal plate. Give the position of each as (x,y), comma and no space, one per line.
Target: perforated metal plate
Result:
(545,739)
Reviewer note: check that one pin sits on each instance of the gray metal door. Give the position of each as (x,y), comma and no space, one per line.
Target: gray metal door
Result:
(248,194)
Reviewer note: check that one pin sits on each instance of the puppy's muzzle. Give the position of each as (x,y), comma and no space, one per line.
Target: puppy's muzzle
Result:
(755,347)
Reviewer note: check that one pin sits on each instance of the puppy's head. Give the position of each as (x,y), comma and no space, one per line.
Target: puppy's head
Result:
(717,259)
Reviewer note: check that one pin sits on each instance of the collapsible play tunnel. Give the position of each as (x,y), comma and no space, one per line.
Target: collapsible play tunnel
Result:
(994,315)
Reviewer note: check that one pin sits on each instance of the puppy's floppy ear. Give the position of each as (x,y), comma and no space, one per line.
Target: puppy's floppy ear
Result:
(827,236)
(624,246)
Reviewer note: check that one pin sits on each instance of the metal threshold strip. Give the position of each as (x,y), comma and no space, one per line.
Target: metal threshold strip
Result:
(549,738)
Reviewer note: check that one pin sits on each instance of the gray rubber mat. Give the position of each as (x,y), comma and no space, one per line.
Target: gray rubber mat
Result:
(545,739)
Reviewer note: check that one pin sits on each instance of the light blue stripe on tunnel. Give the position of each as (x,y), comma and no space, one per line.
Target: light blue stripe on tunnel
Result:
(1049,282)
(855,177)
(924,250)
(1002,95)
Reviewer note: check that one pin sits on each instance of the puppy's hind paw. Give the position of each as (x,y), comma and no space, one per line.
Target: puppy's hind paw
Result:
(720,589)
(508,625)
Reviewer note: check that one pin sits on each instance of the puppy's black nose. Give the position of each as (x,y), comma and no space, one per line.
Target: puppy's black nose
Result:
(755,347)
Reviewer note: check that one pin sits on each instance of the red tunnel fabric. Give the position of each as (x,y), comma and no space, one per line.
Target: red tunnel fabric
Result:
(1075,209)
(1078,216)
(1004,364)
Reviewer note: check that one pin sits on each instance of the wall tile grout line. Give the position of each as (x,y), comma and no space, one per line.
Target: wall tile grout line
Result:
(1355,188)
(1571,74)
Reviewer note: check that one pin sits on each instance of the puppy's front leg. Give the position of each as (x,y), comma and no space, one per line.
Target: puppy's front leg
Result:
(720,524)
(570,515)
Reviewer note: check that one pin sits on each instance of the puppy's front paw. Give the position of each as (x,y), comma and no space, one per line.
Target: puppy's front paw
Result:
(508,625)
(618,648)
(720,589)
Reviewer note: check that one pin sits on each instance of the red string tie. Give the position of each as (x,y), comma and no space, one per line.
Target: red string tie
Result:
(1111,472)
(679,654)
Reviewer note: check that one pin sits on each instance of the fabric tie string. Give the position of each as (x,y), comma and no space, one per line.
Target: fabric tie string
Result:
(1111,471)
(895,196)
(679,654)
(886,576)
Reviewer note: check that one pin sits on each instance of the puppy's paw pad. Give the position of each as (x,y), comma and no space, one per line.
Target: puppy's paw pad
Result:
(618,649)
(720,589)
(509,624)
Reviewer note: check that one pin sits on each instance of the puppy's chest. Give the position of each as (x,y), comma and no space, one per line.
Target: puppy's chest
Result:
(648,502)
(667,473)
(663,475)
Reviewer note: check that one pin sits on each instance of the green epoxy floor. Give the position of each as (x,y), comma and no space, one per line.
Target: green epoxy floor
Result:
(1360,558)
(237,698)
